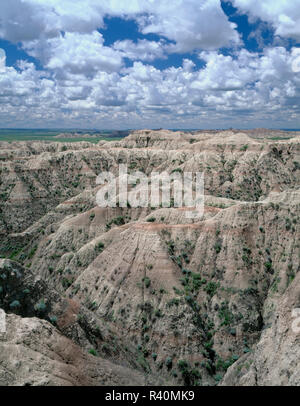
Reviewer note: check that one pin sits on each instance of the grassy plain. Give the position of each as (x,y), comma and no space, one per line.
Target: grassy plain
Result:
(11,135)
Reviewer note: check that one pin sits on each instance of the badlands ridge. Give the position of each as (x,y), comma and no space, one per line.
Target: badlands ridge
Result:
(146,296)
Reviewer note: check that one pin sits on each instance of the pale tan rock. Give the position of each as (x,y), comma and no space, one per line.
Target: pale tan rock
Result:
(34,353)
(158,285)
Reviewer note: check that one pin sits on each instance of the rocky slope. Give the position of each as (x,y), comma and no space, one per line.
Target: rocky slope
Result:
(177,301)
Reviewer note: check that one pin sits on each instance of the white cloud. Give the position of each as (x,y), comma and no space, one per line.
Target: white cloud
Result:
(296,60)
(284,15)
(249,86)
(189,24)
(25,21)
(63,34)
(246,85)
(224,73)
(85,82)
(15,87)
(77,53)
(142,50)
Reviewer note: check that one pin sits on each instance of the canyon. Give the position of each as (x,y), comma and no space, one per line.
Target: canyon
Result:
(147,296)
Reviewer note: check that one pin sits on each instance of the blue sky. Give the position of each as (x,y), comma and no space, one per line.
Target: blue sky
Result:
(150,63)
(118,29)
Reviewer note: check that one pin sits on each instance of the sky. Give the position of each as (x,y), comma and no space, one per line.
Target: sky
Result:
(120,64)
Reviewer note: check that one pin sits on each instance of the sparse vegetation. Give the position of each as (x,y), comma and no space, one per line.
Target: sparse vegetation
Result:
(178,301)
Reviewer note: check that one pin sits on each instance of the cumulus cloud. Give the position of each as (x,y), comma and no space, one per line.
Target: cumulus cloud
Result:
(18,88)
(77,53)
(28,20)
(245,85)
(84,81)
(63,35)
(225,73)
(283,15)
(143,50)
(188,24)
(25,21)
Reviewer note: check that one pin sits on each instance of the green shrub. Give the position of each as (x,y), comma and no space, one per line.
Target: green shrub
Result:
(99,247)
(40,307)
(268,266)
(211,288)
(151,220)
(53,319)
(15,304)
(182,364)
(92,351)
(176,170)
(173,302)
(169,362)
(218,377)
(147,282)
(118,221)
(218,247)
(158,313)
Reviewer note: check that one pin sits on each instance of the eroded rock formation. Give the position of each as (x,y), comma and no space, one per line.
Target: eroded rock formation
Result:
(174,300)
